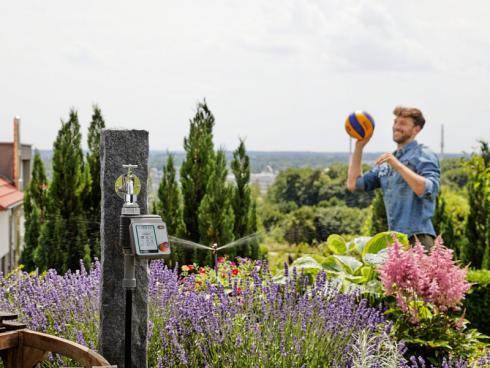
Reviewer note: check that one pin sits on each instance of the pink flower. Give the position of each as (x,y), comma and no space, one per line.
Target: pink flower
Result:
(221,259)
(435,278)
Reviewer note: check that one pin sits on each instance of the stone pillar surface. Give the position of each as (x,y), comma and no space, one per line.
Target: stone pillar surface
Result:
(118,147)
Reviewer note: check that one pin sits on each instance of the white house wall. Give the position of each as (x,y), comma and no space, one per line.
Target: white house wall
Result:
(4,232)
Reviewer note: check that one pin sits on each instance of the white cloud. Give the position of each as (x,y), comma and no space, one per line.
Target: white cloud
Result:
(284,73)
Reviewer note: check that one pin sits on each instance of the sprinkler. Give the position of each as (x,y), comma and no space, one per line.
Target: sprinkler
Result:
(214,248)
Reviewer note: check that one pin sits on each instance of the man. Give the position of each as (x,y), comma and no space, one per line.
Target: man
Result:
(409,178)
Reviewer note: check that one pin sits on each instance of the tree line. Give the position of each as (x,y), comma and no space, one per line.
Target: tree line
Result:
(62,216)
(306,205)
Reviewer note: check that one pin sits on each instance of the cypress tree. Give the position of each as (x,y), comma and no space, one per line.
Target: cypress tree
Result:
(443,223)
(35,200)
(215,214)
(169,204)
(242,199)
(478,186)
(64,239)
(196,170)
(379,221)
(92,198)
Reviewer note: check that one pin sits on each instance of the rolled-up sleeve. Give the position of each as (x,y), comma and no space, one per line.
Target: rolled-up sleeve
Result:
(428,167)
(369,181)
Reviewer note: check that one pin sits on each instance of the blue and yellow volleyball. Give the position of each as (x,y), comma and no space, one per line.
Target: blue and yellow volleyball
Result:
(359,125)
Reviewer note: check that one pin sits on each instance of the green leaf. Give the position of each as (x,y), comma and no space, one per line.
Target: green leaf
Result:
(306,262)
(383,240)
(375,259)
(328,263)
(349,264)
(357,245)
(336,244)
(309,266)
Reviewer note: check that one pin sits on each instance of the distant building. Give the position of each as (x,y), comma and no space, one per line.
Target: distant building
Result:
(15,173)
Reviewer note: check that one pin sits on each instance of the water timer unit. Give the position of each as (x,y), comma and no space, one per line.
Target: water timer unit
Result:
(149,237)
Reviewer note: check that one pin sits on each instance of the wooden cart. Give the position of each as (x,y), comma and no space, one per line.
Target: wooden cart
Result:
(23,348)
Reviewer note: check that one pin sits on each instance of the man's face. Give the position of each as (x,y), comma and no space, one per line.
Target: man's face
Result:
(404,129)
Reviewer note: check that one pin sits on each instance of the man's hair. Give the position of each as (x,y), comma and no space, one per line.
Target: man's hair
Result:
(410,112)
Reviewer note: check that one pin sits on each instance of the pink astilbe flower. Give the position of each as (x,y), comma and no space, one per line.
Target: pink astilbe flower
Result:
(402,274)
(436,278)
(448,281)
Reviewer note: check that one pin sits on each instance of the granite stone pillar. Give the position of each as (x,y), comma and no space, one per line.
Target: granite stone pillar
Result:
(118,147)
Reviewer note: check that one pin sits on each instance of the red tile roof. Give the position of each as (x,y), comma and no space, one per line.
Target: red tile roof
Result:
(9,195)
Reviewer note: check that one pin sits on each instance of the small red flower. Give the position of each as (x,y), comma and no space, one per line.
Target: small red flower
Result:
(191,267)
(238,291)
(235,271)
(221,259)
(202,270)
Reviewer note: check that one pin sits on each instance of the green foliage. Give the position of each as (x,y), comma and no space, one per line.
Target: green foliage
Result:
(35,202)
(169,206)
(378,218)
(477,302)
(478,220)
(453,173)
(91,198)
(297,187)
(435,335)
(63,242)
(196,170)
(216,218)
(244,207)
(351,264)
(449,218)
(338,220)
(314,224)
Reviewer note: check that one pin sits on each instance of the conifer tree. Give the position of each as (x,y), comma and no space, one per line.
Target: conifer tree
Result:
(196,170)
(92,198)
(379,221)
(475,248)
(64,239)
(169,204)
(242,199)
(215,215)
(443,224)
(35,201)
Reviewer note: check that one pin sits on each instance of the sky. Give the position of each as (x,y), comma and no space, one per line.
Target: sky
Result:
(282,74)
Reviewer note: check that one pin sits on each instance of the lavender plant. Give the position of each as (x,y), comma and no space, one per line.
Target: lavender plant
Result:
(260,323)
(247,321)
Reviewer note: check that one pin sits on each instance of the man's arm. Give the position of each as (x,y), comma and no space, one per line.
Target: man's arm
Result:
(355,165)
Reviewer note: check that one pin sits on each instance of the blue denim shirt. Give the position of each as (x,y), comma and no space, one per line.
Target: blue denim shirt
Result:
(407,212)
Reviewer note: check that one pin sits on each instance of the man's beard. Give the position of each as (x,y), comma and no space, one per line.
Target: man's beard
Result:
(401,138)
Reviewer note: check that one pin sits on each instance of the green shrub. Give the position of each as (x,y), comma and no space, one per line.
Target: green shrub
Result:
(477,302)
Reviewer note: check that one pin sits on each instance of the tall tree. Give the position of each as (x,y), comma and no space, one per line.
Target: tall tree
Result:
(215,215)
(169,205)
(63,241)
(92,198)
(443,222)
(242,199)
(477,244)
(35,202)
(196,170)
(379,221)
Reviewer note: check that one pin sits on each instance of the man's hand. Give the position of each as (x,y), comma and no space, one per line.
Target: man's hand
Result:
(415,181)
(363,142)
(390,159)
